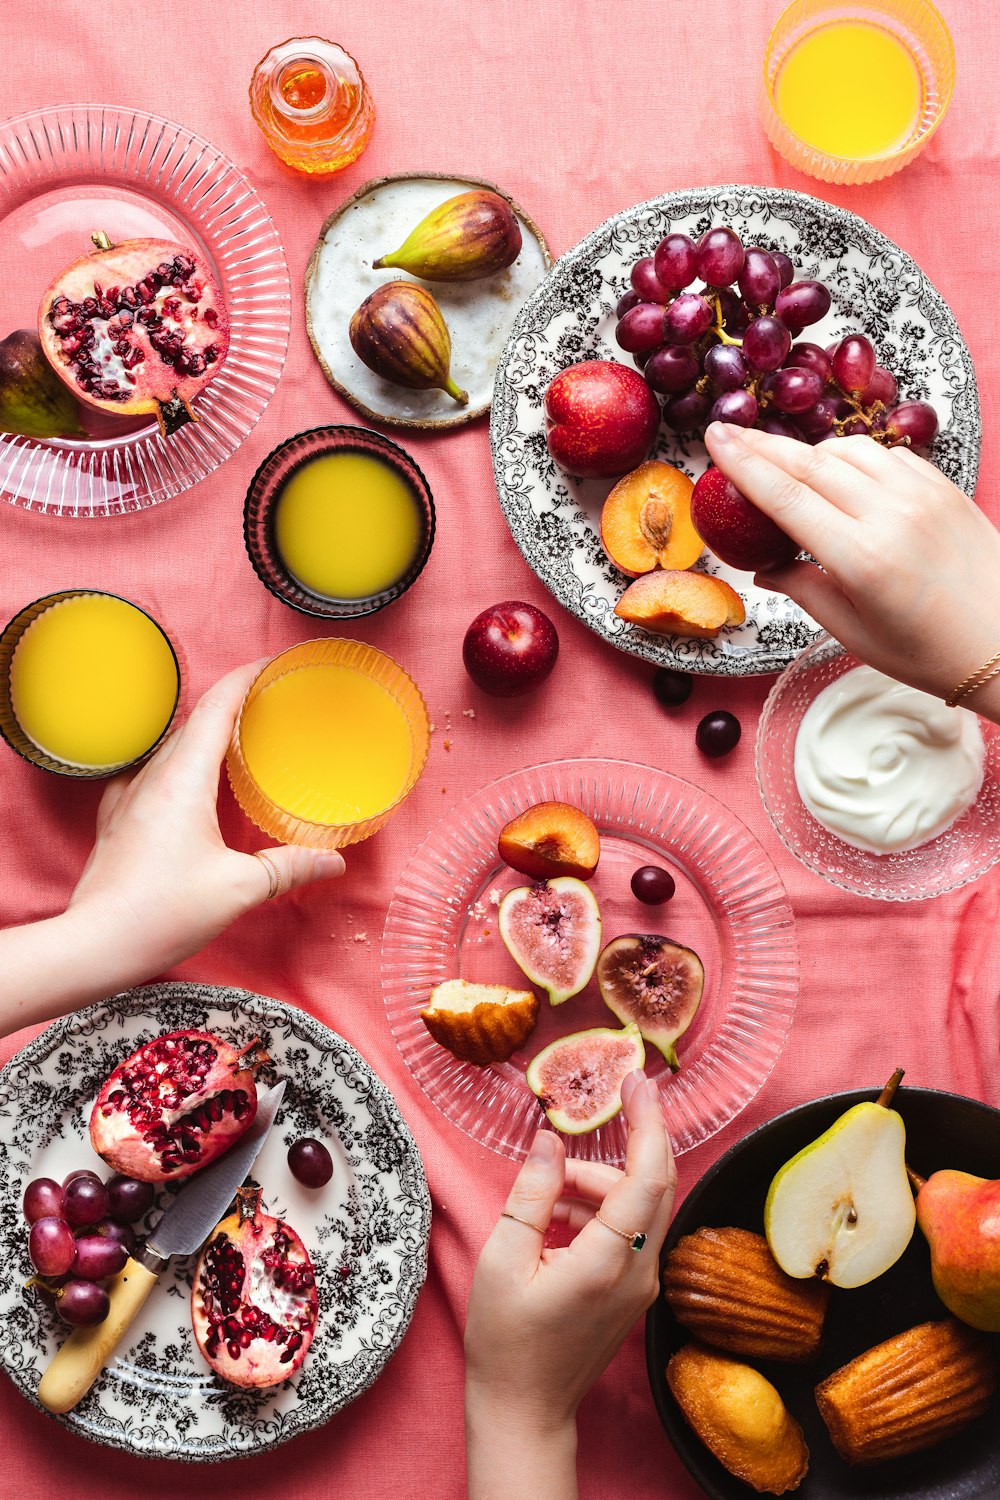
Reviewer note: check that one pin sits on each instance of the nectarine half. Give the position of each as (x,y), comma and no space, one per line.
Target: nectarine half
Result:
(551,839)
(676,603)
(646,520)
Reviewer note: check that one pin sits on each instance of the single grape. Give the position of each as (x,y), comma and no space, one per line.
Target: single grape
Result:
(641,358)
(128,1200)
(310,1163)
(735,318)
(882,387)
(641,329)
(81,1304)
(720,256)
(725,367)
(625,304)
(853,363)
(913,420)
(685,413)
(672,369)
(85,1201)
(114,1229)
(807,356)
(676,261)
(780,426)
(794,390)
(802,303)
(80,1172)
(738,407)
(686,319)
(646,282)
(43,1199)
(718,733)
(652,885)
(759,281)
(785,268)
(51,1246)
(672,688)
(765,343)
(819,419)
(97,1258)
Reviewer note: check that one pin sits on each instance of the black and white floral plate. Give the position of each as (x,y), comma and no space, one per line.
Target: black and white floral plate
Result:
(876,288)
(366,1231)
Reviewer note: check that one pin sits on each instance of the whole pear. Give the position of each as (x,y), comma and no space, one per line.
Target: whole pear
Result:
(34,402)
(960,1217)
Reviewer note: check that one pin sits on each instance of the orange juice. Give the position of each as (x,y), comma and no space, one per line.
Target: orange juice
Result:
(93,682)
(328,744)
(311,101)
(850,89)
(347,525)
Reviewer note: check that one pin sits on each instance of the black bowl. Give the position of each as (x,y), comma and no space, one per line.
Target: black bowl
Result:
(942,1130)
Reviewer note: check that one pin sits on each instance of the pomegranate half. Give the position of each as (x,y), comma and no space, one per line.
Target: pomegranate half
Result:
(253,1301)
(175,1105)
(136,327)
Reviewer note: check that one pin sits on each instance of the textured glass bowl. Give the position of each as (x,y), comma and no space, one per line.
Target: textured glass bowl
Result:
(9,726)
(70,170)
(730,907)
(290,828)
(923,31)
(269,481)
(966,850)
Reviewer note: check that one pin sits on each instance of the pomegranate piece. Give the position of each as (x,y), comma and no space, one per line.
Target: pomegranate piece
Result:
(253,1301)
(136,327)
(175,1105)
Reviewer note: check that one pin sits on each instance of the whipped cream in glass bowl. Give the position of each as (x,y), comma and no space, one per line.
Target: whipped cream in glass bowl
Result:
(873,785)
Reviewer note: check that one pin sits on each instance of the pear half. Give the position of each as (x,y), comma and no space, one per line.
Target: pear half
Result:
(842,1208)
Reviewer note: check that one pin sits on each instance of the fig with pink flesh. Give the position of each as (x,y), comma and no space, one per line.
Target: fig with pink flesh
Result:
(656,984)
(552,931)
(578,1078)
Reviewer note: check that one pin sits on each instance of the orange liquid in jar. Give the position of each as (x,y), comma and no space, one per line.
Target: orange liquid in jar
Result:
(311,102)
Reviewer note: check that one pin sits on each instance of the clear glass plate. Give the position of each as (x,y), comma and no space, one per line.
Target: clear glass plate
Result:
(67,171)
(730,907)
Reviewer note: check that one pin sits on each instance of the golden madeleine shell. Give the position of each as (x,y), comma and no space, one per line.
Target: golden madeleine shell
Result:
(908,1393)
(725,1286)
(480,1023)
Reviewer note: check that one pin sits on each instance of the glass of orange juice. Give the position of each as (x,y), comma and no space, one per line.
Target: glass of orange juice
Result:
(853,93)
(338,522)
(331,738)
(89,683)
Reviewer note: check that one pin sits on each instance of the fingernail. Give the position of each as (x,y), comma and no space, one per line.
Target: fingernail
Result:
(630,1083)
(328,865)
(653,1090)
(544,1147)
(722,432)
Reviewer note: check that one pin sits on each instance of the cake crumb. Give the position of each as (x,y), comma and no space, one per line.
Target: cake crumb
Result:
(487,930)
(361,937)
(447,744)
(468,713)
(477,909)
(495,896)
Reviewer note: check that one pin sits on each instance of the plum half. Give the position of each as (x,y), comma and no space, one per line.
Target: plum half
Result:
(655,983)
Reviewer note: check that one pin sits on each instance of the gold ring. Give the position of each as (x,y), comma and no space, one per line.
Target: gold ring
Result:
(636,1238)
(526,1222)
(273,874)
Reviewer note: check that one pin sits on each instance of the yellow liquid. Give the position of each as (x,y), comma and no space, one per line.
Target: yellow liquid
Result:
(850,89)
(347,526)
(93,682)
(327,744)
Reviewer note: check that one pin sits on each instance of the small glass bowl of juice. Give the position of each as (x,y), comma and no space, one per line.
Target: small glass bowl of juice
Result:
(89,683)
(852,93)
(332,737)
(338,522)
(310,99)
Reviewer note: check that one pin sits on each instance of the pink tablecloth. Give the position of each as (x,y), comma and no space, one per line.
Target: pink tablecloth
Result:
(579,110)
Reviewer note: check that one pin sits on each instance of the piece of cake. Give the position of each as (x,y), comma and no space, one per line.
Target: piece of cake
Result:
(909,1393)
(480,1023)
(740,1417)
(725,1286)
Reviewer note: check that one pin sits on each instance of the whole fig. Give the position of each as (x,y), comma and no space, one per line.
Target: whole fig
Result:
(399,333)
(33,400)
(469,236)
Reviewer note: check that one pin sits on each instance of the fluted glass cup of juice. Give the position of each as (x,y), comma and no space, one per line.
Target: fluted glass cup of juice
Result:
(332,737)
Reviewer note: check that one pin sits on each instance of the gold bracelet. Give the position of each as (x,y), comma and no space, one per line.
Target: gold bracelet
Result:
(976,679)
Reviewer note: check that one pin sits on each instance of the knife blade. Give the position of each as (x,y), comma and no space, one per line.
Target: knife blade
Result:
(184,1227)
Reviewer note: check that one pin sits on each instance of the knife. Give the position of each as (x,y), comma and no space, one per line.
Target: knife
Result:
(182,1230)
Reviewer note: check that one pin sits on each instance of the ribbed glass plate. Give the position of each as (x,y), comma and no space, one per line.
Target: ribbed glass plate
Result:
(730,907)
(68,171)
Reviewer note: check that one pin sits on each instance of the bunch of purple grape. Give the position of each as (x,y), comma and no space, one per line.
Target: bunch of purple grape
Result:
(81,1235)
(724,351)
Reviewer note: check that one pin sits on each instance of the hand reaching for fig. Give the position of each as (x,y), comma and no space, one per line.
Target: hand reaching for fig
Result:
(910,564)
(543,1323)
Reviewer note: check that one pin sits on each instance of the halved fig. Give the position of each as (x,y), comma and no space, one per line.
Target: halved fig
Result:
(549,840)
(657,984)
(578,1079)
(552,931)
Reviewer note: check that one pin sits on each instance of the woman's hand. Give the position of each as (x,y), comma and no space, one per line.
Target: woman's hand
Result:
(543,1323)
(911,564)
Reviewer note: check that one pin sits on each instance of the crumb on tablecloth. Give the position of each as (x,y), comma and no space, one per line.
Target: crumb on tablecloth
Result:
(468,713)
(360,937)
(495,896)
(447,744)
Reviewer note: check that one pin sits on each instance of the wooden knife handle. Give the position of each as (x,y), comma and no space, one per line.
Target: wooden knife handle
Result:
(87,1350)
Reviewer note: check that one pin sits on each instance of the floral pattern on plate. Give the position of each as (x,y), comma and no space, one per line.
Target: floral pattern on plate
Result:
(366,1231)
(554,519)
